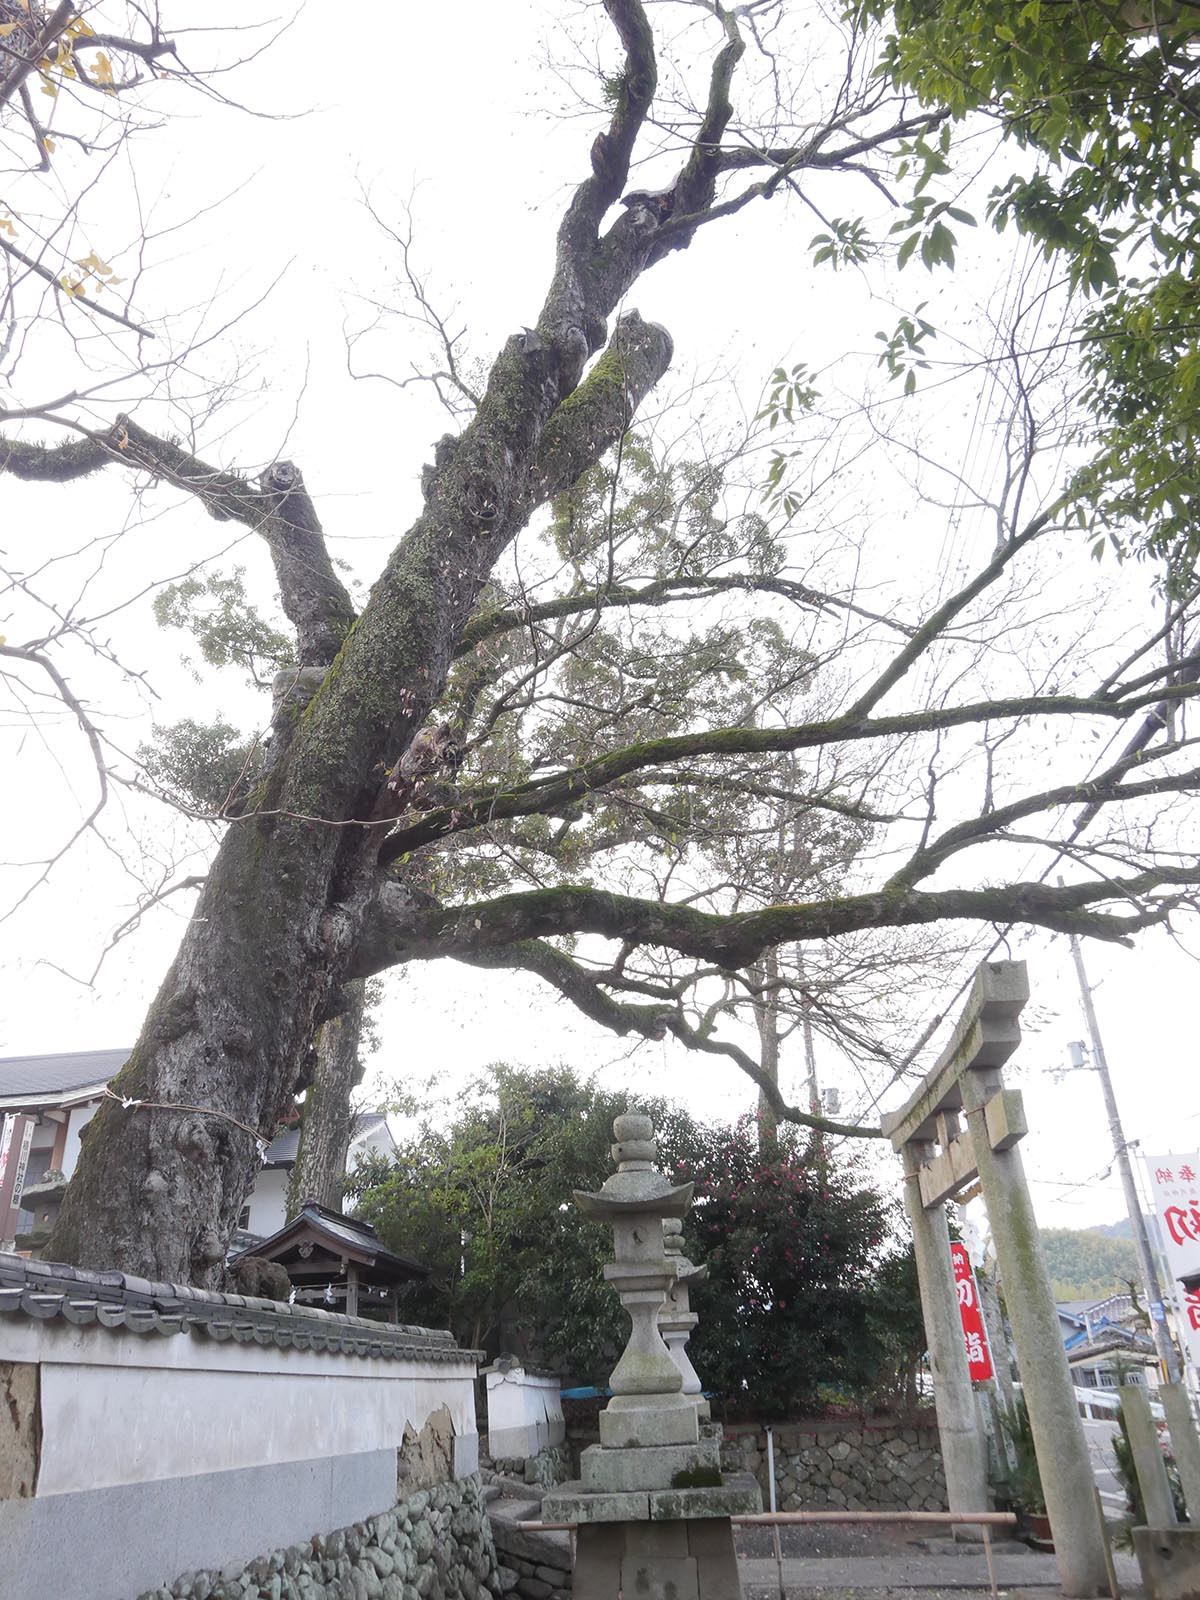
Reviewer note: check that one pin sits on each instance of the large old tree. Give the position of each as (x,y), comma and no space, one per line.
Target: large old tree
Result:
(381,761)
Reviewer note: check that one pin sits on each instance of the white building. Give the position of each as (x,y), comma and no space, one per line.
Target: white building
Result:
(45,1101)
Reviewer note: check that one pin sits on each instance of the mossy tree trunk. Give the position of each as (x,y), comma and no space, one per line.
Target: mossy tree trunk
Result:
(159,1186)
(327,1116)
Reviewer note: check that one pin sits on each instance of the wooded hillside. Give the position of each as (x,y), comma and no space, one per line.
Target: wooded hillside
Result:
(1085,1264)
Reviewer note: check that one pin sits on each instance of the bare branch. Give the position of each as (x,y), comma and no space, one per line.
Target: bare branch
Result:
(74,296)
(36,659)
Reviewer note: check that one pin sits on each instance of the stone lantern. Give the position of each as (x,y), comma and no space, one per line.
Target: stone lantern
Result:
(676,1320)
(648,1405)
(652,1506)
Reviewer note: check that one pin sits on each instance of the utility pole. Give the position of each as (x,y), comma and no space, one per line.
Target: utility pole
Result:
(1162,1340)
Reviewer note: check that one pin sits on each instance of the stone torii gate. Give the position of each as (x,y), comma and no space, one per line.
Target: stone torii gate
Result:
(941,1158)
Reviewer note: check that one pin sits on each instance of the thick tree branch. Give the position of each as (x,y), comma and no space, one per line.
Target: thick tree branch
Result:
(55,24)
(314,597)
(595,416)
(548,794)
(394,931)
(58,463)
(279,509)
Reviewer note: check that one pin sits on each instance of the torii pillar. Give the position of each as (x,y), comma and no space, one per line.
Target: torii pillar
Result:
(939,1161)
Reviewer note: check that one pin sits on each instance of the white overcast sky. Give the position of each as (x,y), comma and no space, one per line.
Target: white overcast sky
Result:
(456,108)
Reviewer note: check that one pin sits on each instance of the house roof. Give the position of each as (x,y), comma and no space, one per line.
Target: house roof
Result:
(317,1240)
(29,1080)
(1117,1307)
(1075,1308)
(1111,1338)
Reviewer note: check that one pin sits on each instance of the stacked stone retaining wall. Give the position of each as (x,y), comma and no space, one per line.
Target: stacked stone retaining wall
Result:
(835,1466)
(535,1566)
(434,1545)
(548,1468)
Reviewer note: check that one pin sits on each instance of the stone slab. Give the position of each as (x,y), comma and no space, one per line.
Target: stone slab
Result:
(657,1561)
(630,1421)
(867,1575)
(656,1539)
(1170,1562)
(654,1467)
(655,1577)
(875,1577)
(711,1542)
(571,1502)
(739,1495)
(598,1553)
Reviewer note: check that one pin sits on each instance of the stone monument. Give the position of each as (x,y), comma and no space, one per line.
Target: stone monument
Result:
(652,1506)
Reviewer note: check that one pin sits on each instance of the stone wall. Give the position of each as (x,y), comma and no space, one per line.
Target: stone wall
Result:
(834,1466)
(434,1545)
(534,1565)
(548,1468)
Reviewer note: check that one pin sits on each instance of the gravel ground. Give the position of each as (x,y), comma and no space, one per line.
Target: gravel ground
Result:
(853,1539)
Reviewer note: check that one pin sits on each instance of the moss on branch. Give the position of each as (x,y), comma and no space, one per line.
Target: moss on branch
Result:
(546,794)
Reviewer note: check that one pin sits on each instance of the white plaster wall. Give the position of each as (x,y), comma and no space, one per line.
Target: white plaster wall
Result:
(268,1201)
(122,1408)
(524,1413)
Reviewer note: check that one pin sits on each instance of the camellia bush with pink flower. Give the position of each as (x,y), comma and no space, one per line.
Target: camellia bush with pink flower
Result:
(811,1299)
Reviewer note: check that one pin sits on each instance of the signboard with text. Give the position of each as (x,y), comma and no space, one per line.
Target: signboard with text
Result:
(15,1139)
(979,1357)
(1175,1191)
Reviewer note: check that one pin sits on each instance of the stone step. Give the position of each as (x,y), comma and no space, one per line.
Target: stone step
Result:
(509,1509)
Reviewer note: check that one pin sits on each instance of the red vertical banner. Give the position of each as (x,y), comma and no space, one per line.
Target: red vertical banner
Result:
(979,1357)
